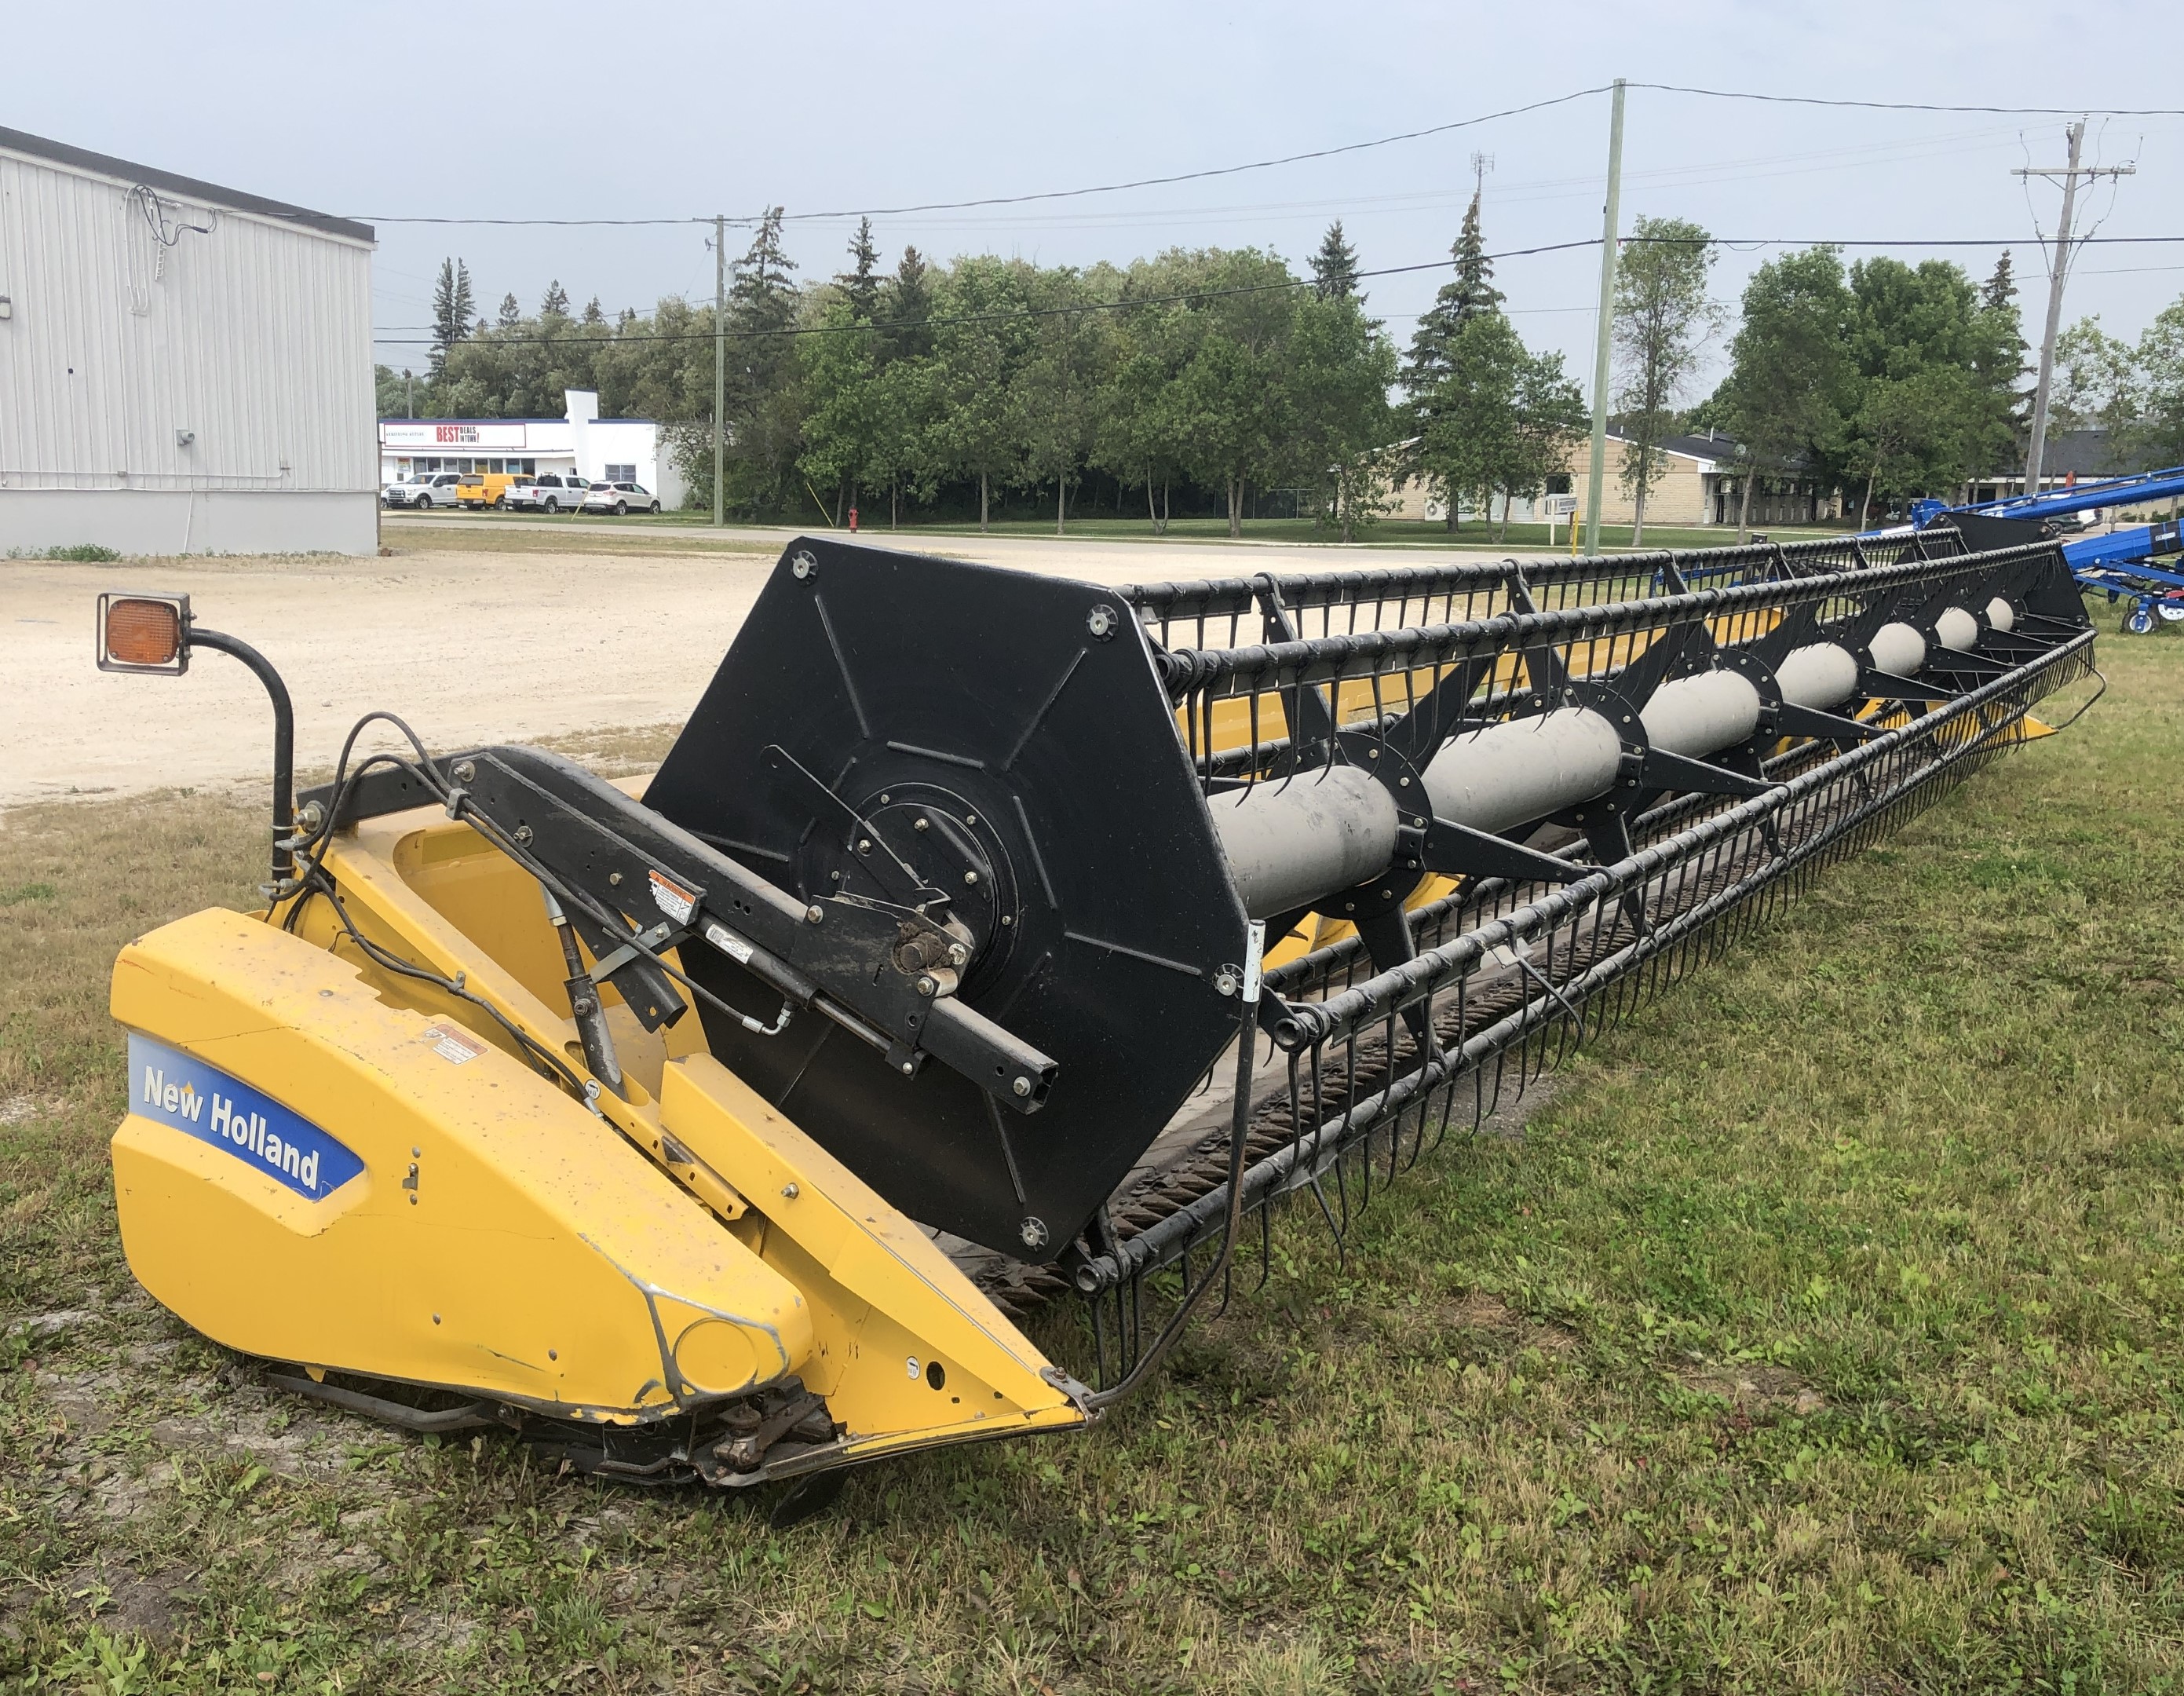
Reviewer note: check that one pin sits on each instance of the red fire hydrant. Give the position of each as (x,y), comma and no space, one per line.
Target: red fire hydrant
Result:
(853,521)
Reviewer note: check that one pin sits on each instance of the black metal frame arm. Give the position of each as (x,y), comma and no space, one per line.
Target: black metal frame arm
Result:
(284,750)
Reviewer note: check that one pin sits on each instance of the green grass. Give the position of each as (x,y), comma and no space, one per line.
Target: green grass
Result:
(1388,533)
(1824,1331)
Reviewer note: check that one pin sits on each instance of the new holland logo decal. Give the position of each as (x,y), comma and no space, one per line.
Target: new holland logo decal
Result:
(175,1089)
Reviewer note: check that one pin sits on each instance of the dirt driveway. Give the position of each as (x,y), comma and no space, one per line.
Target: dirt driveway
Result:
(470,635)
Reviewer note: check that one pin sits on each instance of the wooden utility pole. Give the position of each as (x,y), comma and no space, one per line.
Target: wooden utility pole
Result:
(720,356)
(2059,268)
(1597,471)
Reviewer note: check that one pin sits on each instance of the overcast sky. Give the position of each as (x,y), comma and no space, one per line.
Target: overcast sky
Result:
(678,110)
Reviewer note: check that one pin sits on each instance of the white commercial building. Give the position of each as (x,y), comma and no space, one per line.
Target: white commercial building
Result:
(582,444)
(183,368)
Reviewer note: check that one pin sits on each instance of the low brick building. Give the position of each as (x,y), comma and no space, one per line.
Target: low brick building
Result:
(1700,485)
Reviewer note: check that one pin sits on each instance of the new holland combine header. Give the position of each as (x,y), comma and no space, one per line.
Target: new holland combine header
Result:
(986,940)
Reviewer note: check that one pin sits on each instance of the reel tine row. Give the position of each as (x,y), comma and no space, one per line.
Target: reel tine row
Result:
(1509,977)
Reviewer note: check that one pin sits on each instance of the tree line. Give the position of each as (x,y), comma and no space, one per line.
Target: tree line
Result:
(1211,375)
(1204,372)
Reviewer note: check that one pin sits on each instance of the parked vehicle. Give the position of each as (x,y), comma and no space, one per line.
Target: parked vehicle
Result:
(481,489)
(618,498)
(422,492)
(548,492)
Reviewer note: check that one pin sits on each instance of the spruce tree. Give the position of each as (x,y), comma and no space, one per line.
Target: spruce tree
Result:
(908,306)
(594,312)
(1467,295)
(1334,266)
(861,285)
(453,310)
(556,303)
(511,315)
(1999,359)
(762,275)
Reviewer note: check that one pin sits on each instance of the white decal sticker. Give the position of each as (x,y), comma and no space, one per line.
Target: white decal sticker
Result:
(453,1044)
(673,899)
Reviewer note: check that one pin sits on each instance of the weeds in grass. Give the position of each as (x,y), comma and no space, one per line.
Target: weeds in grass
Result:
(82,553)
(1824,1331)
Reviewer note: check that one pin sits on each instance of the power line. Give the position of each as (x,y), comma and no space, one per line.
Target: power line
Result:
(1196,175)
(1047,194)
(1920,105)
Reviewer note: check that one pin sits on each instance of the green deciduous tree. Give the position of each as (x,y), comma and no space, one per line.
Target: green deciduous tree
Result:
(1662,321)
(1341,369)
(1058,381)
(2097,383)
(1233,398)
(978,350)
(1936,366)
(2159,435)
(1791,382)
(1550,416)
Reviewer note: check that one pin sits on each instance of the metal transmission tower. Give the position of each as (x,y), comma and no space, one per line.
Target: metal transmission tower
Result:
(2058,270)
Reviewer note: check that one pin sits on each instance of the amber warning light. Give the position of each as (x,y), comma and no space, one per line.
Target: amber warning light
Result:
(144,633)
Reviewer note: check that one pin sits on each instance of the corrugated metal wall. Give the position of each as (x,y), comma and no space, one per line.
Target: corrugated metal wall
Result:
(255,336)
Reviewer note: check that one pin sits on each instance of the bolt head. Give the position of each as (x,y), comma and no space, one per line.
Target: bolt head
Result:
(922,824)
(814,913)
(1021,1087)
(790,1191)
(909,1067)
(464,770)
(970,876)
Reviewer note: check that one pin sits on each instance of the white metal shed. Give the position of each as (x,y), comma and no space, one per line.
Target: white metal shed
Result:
(183,368)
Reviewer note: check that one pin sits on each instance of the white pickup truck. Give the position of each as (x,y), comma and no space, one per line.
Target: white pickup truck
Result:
(547,492)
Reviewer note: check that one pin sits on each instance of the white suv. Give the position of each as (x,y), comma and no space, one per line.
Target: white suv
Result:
(618,498)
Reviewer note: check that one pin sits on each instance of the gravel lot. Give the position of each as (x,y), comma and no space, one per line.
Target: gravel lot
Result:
(468,643)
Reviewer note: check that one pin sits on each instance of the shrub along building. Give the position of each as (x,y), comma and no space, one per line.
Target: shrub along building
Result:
(183,368)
